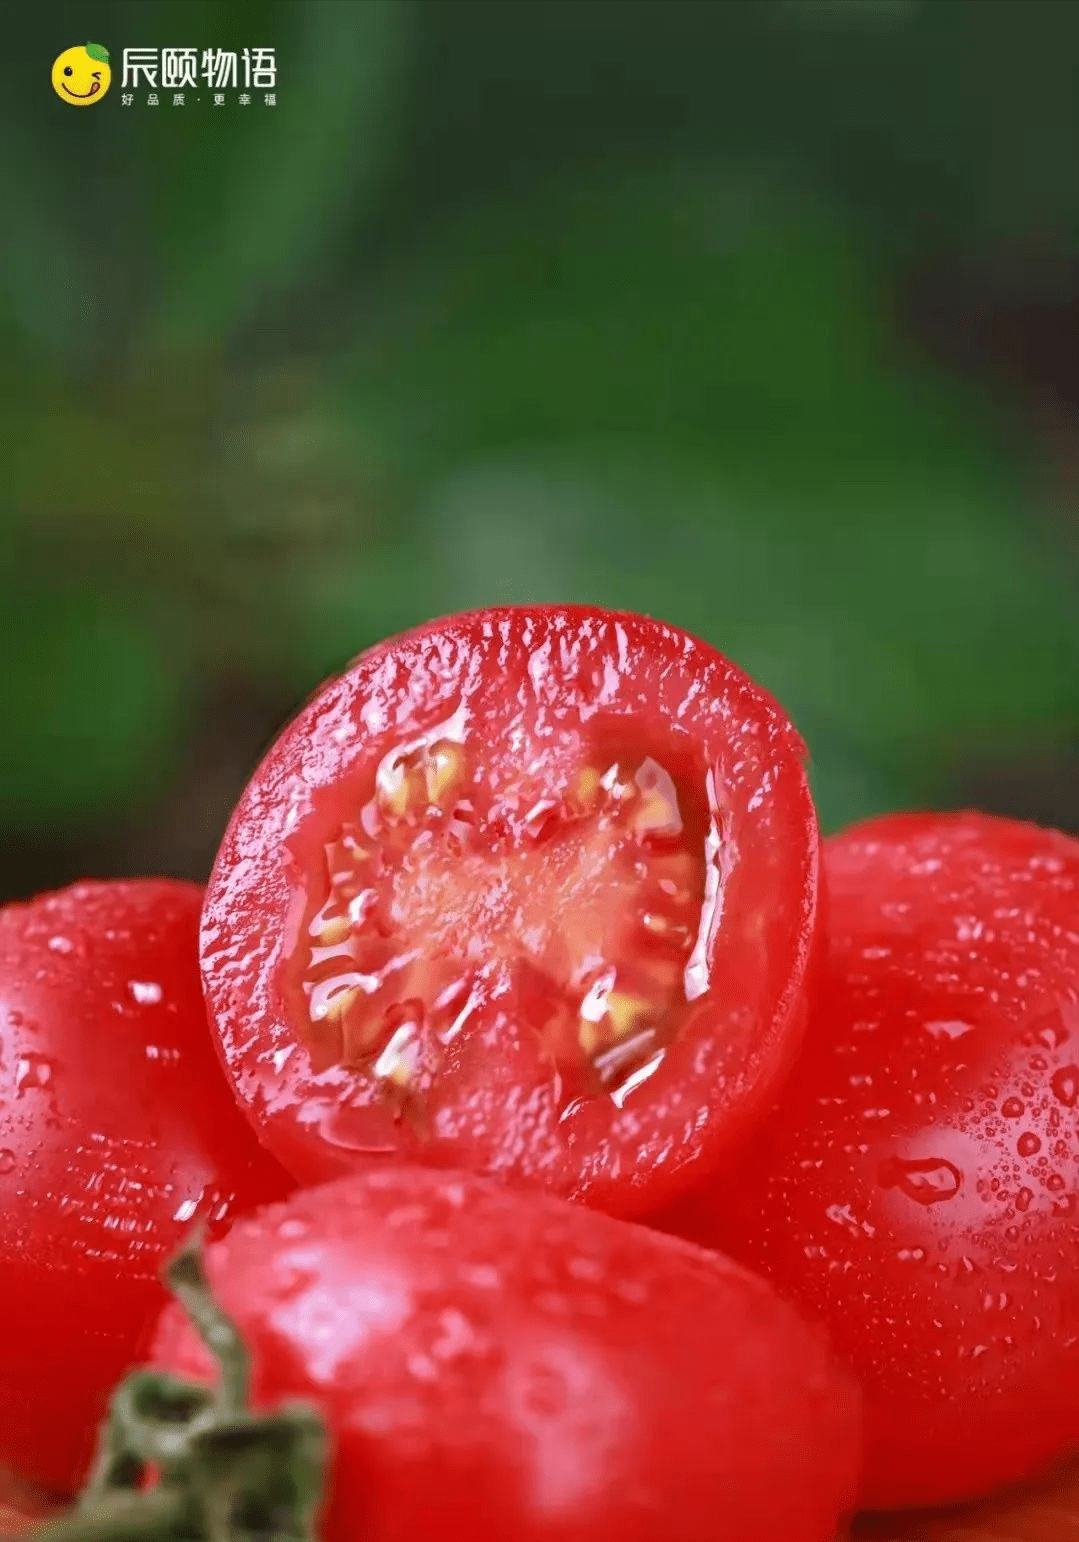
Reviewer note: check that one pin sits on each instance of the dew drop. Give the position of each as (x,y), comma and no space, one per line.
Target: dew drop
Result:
(949,1029)
(1013,1108)
(145,992)
(1065,1085)
(32,1072)
(1023,1199)
(927,1181)
(1028,1143)
(7,1160)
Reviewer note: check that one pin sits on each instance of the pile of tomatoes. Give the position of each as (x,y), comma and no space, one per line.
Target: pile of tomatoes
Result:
(602,1153)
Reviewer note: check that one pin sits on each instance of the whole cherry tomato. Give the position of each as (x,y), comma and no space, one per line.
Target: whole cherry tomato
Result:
(117,1130)
(509,1366)
(917,1187)
(527,891)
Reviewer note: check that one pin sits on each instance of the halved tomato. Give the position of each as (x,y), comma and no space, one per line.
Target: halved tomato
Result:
(526,891)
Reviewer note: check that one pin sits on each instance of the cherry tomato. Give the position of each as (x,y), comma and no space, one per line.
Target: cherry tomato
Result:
(506,1365)
(1045,1511)
(117,1129)
(532,892)
(916,1187)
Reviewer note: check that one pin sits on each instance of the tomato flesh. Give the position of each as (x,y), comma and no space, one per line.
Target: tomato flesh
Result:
(917,1186)
(584,904)
(525,891)
(497,1364)
(117,1133)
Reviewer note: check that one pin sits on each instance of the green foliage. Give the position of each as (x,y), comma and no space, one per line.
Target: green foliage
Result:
(92,702)
(740,447)
(474,314)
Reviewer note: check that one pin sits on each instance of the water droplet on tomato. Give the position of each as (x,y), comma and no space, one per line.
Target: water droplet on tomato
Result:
(927,1180)
(951,1028)
(33,1073)
(7,1160)
(1023,1199)
(1028,1144)
(1013,1108)
(1065,1085)
(145,992)
(61,944)
(1053,1034)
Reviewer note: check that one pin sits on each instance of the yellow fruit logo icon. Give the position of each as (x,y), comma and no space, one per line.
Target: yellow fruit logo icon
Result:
(81,76)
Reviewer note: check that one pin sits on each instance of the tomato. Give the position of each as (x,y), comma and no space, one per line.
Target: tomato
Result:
(527,891)
(117,1129)
(916,1187)
(506,1365)
(1046,1511)
(21,1506)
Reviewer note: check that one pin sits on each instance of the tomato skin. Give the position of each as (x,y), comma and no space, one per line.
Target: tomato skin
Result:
(116,1130)
(916,1187)
(509,1366)
(497,1111)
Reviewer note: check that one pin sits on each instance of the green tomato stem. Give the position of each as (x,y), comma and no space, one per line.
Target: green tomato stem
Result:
(147,1517)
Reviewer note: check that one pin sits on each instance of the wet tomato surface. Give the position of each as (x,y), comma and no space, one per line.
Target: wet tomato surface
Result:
(916,1187)
(498,1364)
(117,1130)
(1046,1510)
(532,892)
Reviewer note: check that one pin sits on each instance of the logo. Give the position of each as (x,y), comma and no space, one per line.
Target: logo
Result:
(81,76)
(186,77)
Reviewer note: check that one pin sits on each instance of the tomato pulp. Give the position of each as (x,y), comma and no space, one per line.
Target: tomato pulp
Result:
(532,892)
(917,1186)
(117,1131)
(497,1364)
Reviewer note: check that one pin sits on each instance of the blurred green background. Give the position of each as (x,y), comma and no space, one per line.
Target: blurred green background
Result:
(760,317)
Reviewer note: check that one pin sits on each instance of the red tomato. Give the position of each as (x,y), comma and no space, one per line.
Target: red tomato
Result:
(1046,1511)
(916,1188)
(504,1365)
(526,891)
(116,1130)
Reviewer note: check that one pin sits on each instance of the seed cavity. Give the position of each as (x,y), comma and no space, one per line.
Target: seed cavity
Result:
(576,910)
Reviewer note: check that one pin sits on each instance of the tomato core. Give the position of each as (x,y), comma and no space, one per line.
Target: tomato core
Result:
(582,894)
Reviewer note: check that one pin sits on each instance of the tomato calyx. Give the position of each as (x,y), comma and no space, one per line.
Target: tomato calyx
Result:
(223,1472)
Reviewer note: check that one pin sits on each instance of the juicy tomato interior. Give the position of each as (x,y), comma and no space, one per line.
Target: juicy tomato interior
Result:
(530,892)
(582,889)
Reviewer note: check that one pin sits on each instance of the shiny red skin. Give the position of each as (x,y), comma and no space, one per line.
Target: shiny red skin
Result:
(117,1129)
(499,1112)
(506,1365)
(917,1187)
